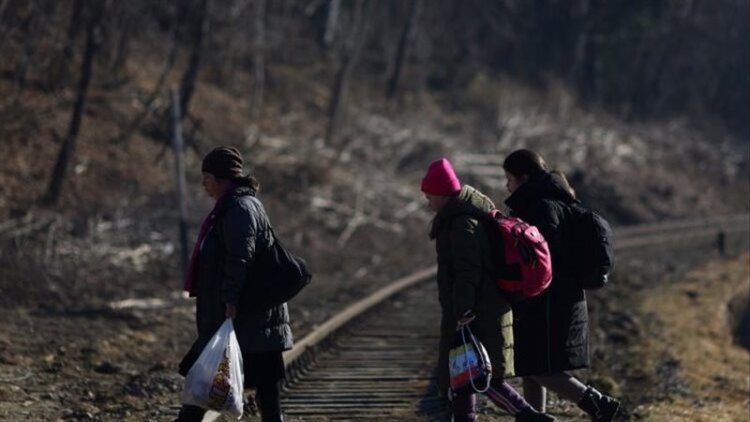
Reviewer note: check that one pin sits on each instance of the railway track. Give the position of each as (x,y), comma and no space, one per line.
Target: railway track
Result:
(375,359)
(380,367)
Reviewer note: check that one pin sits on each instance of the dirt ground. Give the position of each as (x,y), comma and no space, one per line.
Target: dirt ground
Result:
(118,364)
(700,326)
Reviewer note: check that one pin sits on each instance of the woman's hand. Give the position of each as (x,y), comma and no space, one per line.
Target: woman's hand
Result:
(467,317)
(231,311)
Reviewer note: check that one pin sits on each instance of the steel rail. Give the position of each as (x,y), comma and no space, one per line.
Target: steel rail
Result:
(381,366)
(354,310)
(730,221)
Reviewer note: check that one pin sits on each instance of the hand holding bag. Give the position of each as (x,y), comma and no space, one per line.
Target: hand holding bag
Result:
(215,380)
(468,362)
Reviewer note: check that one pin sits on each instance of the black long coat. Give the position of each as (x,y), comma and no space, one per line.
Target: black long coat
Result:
(550,330)
(241,230)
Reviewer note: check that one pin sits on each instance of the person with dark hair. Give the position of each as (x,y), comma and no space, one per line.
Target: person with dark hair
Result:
(551,330)
(232,235)
(468,294)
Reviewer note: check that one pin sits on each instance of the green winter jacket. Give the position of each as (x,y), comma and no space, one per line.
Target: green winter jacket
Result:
(464,282)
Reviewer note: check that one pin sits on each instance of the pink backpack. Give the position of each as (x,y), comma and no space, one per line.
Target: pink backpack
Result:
(522,259)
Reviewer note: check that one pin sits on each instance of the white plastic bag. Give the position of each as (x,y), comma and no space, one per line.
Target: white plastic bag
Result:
(215,380)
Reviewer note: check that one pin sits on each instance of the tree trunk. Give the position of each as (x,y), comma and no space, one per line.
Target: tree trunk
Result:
(28,26)
(4,32)
(407,35)
(587,77)
(124,137)
(259,60)
(3,5)
(332,20)
(69,143)
(583,72)
(282,32)
(180,176)
(70,39)
(120,57)
(348,63)
(187,86)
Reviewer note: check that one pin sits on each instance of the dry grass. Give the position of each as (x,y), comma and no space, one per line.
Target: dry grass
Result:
(697,331)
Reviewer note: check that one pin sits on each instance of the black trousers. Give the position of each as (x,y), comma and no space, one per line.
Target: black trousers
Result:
(268,398)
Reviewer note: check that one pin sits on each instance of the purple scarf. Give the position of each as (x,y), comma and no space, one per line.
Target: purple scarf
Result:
(208,222)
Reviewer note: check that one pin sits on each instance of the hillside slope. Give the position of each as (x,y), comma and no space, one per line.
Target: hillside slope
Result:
(353,209)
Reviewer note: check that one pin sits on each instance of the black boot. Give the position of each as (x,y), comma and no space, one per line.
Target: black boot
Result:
(600,407)
(271,414)
(529,414)
(271,417)
(190,413)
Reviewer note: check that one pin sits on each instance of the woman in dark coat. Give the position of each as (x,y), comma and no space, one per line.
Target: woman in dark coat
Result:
(467,293)
(551,330)
(219,277)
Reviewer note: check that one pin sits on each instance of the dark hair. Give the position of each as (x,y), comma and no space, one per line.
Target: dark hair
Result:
(563,181)
(524,162)
(248,181)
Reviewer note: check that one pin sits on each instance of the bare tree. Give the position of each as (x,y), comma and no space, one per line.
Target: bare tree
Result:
(350,56)
(177,144)
(169,62)
(119,54)
(259,64)
(3,6)
(407,35)
(332,20)
(69,143)
(29,26)
(583,68)
(200,31)
(67,55)
(4,31)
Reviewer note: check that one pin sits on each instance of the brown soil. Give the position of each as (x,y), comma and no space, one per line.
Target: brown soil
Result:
(697,326)
(108,364)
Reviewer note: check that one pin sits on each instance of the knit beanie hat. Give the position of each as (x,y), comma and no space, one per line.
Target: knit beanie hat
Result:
(223,162)
(441,179)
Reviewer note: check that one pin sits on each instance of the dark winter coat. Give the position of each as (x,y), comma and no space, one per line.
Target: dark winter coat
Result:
(241,230)
(464,282)
(550,330)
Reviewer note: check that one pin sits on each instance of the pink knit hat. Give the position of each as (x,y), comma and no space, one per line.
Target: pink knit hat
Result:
(441,179)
